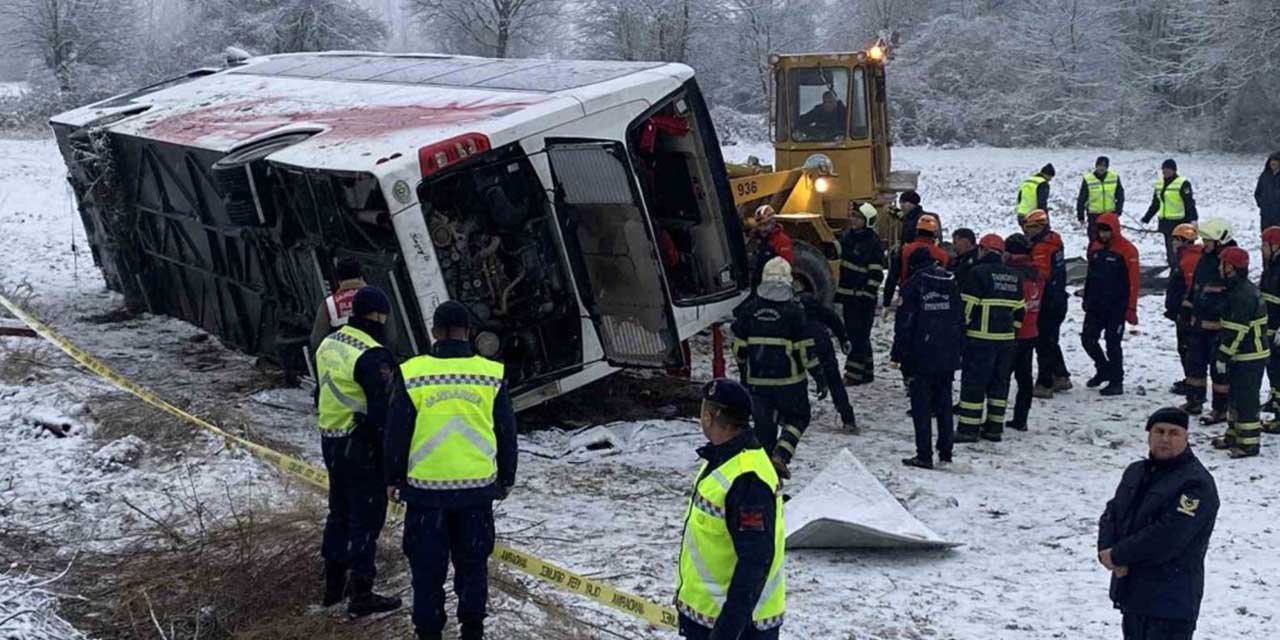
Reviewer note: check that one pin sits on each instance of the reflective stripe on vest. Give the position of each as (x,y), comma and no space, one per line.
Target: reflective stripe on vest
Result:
(797,354)
(1027,200)
(1170,195)
(1102,193)
(341,398)
(454,445)
(1261,346)
(707,556)
(983,330)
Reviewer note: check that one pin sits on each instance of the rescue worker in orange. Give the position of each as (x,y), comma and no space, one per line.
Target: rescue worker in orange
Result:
(1110,300)
(1177,307)
(1047,256)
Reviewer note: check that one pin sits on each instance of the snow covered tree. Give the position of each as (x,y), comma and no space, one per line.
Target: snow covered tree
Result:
(67,35)
(641,29)
(282,26)
(486,27)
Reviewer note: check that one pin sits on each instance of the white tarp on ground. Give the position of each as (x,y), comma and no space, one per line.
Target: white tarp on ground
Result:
(846,506)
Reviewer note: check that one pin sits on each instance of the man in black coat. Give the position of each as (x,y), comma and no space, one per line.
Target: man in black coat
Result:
(1154,534)
(1267,193)
(928,335)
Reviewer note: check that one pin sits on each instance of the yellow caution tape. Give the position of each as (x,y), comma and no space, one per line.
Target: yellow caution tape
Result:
(318,477)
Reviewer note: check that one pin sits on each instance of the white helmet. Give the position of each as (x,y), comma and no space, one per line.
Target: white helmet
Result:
(869,213)
(775,280)
(1216,230)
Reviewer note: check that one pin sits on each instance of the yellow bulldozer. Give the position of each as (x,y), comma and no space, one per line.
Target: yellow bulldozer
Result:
(829,122)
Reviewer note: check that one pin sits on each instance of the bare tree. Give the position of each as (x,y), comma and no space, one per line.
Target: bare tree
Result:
(641,29)
(486,27)
(63,34)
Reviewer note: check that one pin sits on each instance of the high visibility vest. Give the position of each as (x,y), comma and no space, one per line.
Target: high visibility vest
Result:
(454,445)
(707,557)
(341,398)
(1027,194)
(1171,205)
(1102,193)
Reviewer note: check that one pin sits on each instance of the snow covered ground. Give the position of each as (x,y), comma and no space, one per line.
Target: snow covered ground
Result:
(1026,509)
(13,89)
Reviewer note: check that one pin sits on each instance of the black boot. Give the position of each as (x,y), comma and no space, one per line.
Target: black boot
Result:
(1114,388)
(335,583)
(1096,380)
(426,635)
(1180,388)
(471,630)
(365,602)
(966,435)
(918,463)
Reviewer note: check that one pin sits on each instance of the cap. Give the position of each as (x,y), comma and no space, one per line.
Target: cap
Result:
(1236,257)
(992,242)
(1187,231)
(1048,170)
(451,315)
(732,395)
(909,196)
(369,300)
(1102,161)
(1170,415)
(1169,164)
(1271,235)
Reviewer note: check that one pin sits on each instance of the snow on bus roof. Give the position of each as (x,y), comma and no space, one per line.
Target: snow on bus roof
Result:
(361,104)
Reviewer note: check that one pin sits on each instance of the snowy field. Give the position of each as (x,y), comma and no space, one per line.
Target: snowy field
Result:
(12,89)
(1025,509)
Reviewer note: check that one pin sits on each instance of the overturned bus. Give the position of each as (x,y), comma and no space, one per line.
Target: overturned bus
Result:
(580,210)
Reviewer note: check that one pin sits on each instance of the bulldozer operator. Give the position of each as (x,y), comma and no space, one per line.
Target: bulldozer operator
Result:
(825,121)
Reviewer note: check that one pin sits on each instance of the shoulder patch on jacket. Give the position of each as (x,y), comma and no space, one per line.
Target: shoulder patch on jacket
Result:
(1187,505)
(751,519)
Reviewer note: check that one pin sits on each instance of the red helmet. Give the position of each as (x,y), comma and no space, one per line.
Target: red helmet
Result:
(1271,235)
(1236,257)
(993,242)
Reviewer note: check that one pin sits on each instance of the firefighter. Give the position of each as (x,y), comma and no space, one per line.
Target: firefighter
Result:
(993,313)
(1177,307)
(1034,192)
(1173,203)
(1206,298)
(824,324)
(769,240)
(965,243)
(1153,535)
(1100,192)
(1110,300)
(450,453)
(773,348)
(1271,295)
(730,581)
(1047,256)
(1243,351)
(862,265)
(928,334)
(336,308)
(1018,256)
(354,376)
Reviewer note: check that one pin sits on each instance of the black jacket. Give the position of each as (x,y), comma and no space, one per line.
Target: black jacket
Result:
(401,419)
(928,328)
(1270,287)
(1106,285)
(962,264)
(1207,289)
(1158,525)
(1267,193)
(862,267)
(1188,200)
(822,323)
(771,343)
(1244,320)
(752,537)
(993,303)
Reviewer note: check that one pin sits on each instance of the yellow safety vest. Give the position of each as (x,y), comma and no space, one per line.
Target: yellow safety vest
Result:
(341,398)
(1102,193)
(1171,205)
(454,445)
(707,557)
(1027,194)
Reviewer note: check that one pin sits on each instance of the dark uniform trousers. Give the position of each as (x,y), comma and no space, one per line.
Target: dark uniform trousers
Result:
(433,536)
(694,631)
(1245,425)
(984,383)
(1022,356)
(1273,367)
(1110,365)
(779,409)
(830,367)
(1048,347)
(859,318)
(1202,349)
(357,504)
(1144,628)
(931,398)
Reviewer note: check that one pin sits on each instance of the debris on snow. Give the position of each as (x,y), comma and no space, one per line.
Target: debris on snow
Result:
(123,452)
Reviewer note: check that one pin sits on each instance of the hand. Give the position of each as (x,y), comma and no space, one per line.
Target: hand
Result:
(1220,366)
(895,365)
(822,390)
(846,346)
(1104,557)
(1120,572)
(393,494)
(780,467)
(1132,317)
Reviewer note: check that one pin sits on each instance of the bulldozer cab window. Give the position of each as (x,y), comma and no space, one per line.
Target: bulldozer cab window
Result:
(858,127)
(819,99)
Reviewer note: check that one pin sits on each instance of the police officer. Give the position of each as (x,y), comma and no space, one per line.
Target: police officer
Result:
(823,324)
(1155,531)
(862,265)
(773,349)
(1173,202)
(1047,256)
(1270,286)
(1110,300)
(928,334)
(731,582)
(1100,192)
(1033,194)
(450,452)
(1207,302)
(1243,351)
(336,308)
(355,376)
(993,313)
(1177,306)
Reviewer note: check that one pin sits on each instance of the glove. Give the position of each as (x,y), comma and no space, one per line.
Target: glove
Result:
(822,389)
(846,346)
(895,365)
(1132,317)
(1220,366)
